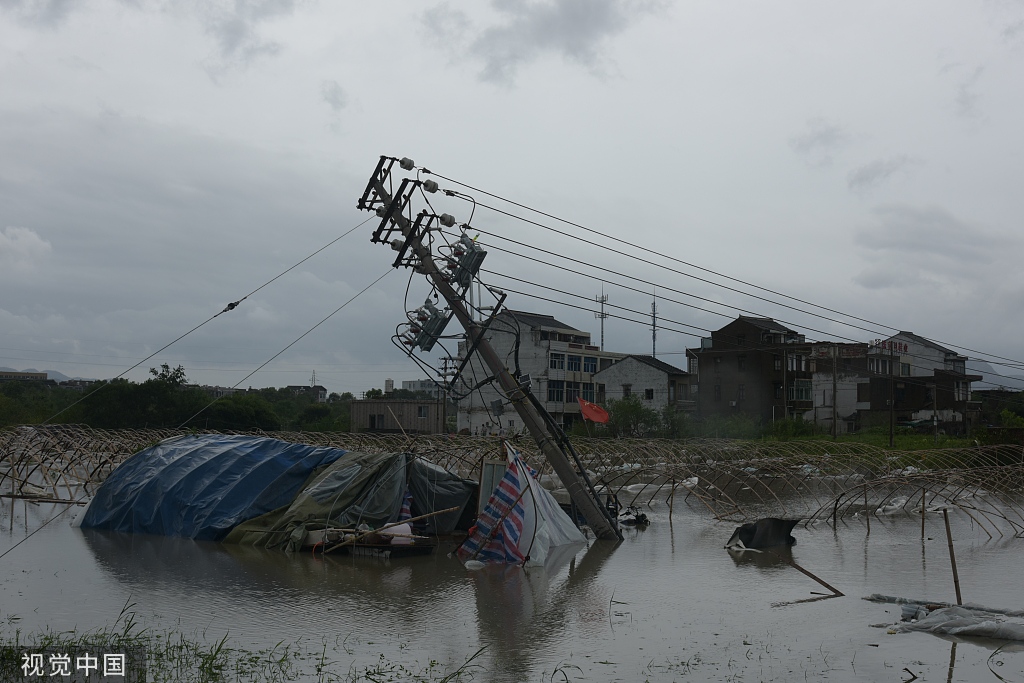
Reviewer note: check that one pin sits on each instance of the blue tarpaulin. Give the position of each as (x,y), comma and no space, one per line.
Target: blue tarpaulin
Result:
(203,486)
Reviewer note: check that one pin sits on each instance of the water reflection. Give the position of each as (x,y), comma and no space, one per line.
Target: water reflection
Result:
(524,611)
(778,557)
(247,580)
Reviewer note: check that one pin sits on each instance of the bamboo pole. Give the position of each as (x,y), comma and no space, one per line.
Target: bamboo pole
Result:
(835,591)
(952,557)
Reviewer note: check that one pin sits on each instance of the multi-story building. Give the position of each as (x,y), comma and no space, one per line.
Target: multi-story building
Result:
(915,380)
(14,376)
(840,385)
(754,366)
(559,359)
(428,386)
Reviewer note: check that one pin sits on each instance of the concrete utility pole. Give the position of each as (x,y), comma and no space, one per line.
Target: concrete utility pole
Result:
(583,496)
(835,382)
(892,403)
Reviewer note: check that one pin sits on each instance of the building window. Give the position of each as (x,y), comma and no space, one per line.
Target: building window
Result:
(878,365)
(671,391)
(422,411)
(718,392)
(800,390)
(574,364)
(544,336)
(718,363)
(572,391)
(741,363)
(589,364)
(693,366)
(557,361)
(904,369)
(627,389)
(649,394)
(601,394)
(511,424)
(863,392)
(778,390)
(740,392)
(778,362)
(796,362)
(556,390)
(588,391)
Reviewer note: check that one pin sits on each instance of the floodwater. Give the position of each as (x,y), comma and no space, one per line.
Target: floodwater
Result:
(667,604)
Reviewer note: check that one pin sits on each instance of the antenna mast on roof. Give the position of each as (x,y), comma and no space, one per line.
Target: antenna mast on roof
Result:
(602,299)
(654,326)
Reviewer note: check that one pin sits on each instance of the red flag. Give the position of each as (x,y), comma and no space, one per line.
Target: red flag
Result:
(593,412)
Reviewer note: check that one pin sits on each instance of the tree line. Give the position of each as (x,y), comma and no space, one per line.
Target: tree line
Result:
(167,400)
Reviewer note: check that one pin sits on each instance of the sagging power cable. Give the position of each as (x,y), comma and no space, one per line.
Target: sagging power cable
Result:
(293,343)
(230,307)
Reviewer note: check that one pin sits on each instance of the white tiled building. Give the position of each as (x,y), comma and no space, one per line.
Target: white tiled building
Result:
(559,359)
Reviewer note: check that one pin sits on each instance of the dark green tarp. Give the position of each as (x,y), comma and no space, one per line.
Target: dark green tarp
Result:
(362,488)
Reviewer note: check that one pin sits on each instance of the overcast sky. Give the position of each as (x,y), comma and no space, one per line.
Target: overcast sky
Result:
(159,159)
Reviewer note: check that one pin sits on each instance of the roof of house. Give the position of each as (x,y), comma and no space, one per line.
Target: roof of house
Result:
(925,342)
(654,363)
(766,324)
(535,320)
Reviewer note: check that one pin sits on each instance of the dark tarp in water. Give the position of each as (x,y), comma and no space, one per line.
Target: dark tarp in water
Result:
(367,489)
(203,486)
(269,493)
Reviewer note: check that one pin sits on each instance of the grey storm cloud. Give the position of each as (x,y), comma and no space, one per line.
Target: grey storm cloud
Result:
(109,254)
(926,246)
(967,96)
(333,94)
(235,27)
(578,30)
(819,141)
(42,13)
(1014,30)
(876,173)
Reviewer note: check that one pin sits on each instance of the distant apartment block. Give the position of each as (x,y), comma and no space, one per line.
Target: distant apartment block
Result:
(428,386)
(316,392)
(11,376)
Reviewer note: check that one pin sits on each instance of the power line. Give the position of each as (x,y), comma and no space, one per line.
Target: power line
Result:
(672,289)
(230,307)
(1017,363)
(293,343)
(918,380)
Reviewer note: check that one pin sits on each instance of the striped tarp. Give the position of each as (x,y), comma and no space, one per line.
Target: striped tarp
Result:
(500,525)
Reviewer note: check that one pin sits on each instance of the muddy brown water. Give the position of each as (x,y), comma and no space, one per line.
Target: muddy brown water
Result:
(667,604)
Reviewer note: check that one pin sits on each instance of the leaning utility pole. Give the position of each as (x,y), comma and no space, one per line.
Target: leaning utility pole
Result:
(390,208)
